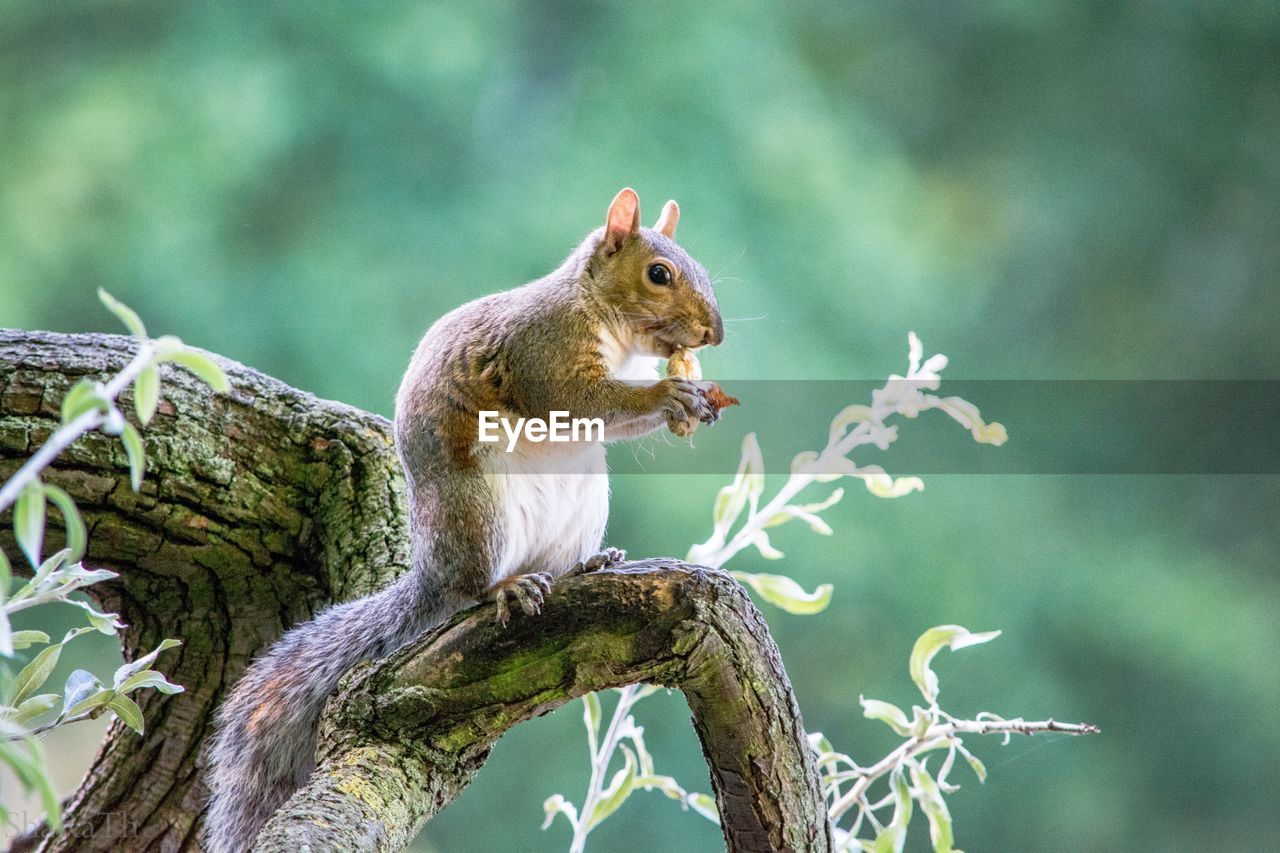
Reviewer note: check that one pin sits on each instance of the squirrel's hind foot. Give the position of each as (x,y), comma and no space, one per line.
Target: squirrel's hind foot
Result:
(529,591)
(606,558)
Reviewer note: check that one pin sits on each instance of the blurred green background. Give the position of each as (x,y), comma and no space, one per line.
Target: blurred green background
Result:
(1041,190)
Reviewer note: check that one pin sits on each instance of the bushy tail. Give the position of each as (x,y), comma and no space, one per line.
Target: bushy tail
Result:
(264,747)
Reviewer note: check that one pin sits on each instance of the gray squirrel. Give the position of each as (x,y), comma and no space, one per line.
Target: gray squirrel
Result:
(485,524)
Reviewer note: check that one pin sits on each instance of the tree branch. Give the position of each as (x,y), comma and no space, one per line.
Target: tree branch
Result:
(405,735)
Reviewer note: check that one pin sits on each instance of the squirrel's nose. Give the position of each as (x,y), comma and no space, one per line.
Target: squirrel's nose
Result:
(714,334)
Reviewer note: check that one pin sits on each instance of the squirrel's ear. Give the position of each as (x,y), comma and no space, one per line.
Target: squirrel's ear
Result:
(623,220)
(667,221)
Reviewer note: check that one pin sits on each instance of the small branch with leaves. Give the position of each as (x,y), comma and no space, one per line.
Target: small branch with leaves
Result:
(24,713)
(741,519)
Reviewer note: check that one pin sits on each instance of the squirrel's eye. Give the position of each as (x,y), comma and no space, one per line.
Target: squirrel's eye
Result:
(659,274)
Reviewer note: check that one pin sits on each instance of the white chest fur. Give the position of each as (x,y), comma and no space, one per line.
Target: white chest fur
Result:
(626,359)
(554,504)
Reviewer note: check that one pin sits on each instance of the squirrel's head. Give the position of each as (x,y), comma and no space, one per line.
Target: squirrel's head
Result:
(652,285)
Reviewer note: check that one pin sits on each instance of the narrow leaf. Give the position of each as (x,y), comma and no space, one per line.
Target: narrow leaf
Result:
(128,712)
(81,684)
(557,804)
(203,366)
(126,314)
(887,713)
(95,700)
(933,641)
(77,538)
(137,456)
(34,707)
(26,639)
(104,623)
(935,811)
(979,769)
(144,662)
(31,770)
(783,592)
(612,798)
(28,520)
(36,673)
(150,678)
(146,394)
(705,805)
(753,468)
(85,396)
(591,715)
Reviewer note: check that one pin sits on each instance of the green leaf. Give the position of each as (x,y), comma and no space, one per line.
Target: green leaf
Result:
(557,804)
(85,396)
(591,715)
(30,770)
(149,678)
(40,579)
(887,713)
(933,641)
(819,743)
(77,538)
(77,575)
(893,837)
(847,416)
(612,798)
(146,394)
(34,707)
(26,639)
(201,365)
(81,684)
(921,720)
(832,500)
(669,787)
(935,810)
(128,670)
(883,486)
(28,520)
(705,805)
(766,549)
(126,314)
(729,504)
(128,712)
(979,769)
(104,623)
(35,674)
(96,700)
(6,576)
(783,592)
(816,524)
(137,456)
(753,468)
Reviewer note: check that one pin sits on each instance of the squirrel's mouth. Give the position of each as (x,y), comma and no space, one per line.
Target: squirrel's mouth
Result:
(666,345)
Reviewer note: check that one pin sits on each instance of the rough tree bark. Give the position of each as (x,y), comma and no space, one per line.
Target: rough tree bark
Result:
(265,504)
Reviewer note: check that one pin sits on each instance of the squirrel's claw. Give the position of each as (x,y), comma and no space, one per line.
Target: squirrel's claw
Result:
(529,591)
(606,558)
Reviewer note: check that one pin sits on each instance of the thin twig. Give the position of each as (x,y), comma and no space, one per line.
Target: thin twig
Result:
(66,435)
(940,735)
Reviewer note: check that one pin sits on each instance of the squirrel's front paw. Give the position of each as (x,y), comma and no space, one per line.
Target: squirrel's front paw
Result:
(529,591)
(686,403)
